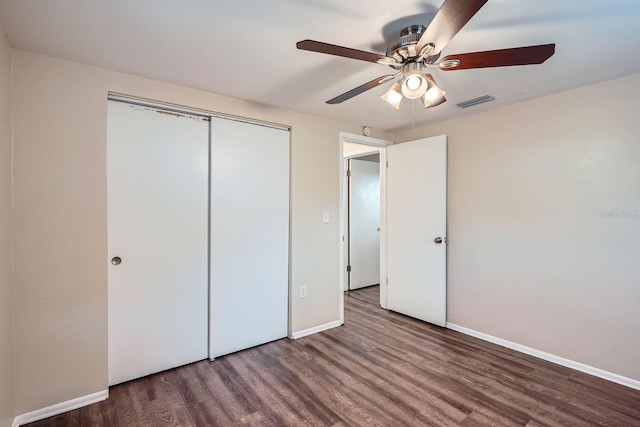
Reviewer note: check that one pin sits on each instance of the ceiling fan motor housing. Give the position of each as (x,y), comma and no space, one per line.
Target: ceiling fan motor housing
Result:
(405,47)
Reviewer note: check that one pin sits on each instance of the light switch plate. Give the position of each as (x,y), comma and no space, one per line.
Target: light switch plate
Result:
(325,217)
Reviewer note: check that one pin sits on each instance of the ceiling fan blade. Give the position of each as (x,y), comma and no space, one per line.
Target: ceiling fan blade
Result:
(346,52)
(360,89)
(499,58)
(452,16)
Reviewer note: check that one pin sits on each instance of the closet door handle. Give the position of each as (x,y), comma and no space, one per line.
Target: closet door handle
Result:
(116,260)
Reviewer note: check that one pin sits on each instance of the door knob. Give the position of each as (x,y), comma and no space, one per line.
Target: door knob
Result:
(438,240)
(116,260)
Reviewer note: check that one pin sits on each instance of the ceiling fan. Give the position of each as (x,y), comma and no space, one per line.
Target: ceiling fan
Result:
(419,48)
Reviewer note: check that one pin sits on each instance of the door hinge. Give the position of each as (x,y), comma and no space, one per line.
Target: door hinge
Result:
(387,280)
(387,163)
(348,268)
(348,172)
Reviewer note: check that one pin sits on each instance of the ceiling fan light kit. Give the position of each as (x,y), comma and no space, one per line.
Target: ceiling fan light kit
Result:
(393,96)
(419,47)
(433,94)
(415,83)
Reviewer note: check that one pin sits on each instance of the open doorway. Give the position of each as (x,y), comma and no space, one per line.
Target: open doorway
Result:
(362,231)
(363,254)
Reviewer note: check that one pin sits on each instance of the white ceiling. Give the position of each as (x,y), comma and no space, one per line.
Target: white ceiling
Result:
(246,49)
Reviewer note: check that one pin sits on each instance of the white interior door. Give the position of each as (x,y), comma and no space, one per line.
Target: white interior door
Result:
(416,222)
(249,253)
(157,217)
(364,223)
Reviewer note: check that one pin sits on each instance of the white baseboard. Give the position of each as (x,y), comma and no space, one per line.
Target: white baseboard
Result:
(59,408)
(315,329)
(596,372)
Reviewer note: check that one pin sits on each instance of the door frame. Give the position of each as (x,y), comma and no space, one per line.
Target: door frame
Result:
(380,144)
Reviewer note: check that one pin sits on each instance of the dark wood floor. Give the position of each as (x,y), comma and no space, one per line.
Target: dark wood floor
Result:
(379,369)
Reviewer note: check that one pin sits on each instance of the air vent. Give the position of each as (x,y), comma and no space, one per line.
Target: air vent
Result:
(475,101)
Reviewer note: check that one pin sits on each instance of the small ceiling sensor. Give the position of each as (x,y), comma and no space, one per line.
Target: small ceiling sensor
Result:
(366,131)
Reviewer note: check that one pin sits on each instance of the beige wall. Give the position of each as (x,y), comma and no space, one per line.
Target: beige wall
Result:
(533,257)
(60,218)
(6,297)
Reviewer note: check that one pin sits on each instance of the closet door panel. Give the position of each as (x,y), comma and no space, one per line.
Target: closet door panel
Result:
(249,240)
(157,232)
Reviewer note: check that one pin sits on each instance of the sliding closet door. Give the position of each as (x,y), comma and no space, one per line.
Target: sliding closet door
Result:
(157,219)
(249,243)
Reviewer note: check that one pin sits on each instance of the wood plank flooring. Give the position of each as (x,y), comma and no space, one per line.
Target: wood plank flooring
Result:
(379,369)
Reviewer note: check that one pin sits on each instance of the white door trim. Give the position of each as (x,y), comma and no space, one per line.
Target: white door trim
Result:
(381,144)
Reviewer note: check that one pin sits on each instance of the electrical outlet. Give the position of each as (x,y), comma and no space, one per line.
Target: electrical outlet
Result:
(303,291)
